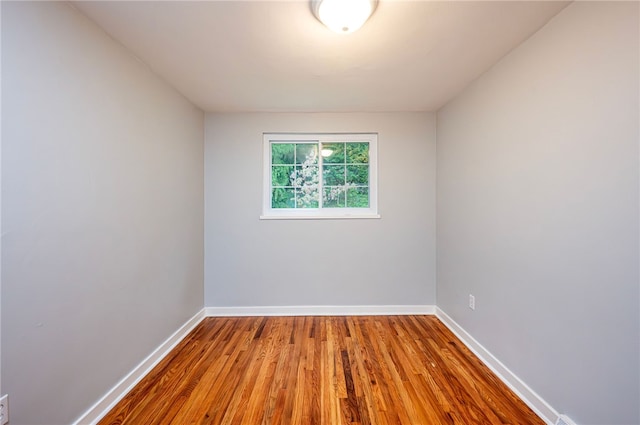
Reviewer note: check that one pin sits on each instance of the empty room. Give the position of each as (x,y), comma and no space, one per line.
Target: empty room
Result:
(364,212)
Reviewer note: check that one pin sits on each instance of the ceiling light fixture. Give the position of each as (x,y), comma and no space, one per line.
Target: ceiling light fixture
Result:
(326,152)
(343,16)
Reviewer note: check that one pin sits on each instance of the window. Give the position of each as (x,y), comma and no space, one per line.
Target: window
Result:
(320,176)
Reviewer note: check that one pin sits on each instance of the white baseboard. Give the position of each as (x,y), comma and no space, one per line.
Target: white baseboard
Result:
(321,310)
(115,394)
(533,400)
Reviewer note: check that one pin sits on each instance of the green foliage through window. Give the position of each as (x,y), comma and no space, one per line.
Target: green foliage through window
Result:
(300,172)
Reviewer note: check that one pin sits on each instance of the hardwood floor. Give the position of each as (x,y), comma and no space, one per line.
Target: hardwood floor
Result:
(321,370)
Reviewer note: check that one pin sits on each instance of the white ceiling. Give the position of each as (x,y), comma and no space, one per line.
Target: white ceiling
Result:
(266,55)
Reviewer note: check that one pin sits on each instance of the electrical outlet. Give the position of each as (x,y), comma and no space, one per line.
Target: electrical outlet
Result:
(4,409)
(472,302)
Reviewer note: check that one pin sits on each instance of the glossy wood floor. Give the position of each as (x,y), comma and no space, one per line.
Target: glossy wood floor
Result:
(321,370)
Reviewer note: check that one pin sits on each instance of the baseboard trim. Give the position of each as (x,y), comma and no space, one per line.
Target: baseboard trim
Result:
(530,397)
(115,394)
(321,310)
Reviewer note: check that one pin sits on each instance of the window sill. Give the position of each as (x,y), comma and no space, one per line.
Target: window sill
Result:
(320,217)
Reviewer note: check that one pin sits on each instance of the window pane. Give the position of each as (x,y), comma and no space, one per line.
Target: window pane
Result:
(307,197)
(333,153)
(358,197)
(283,197)
(357,153)
(307,153)
(333,197)
(282,153)
(305,176)
(281,175)
(333,175)
(358,175)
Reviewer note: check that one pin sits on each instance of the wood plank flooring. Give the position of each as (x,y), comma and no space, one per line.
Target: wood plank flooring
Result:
(358,370)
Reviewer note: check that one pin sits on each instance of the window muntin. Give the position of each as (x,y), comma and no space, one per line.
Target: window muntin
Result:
(320,176)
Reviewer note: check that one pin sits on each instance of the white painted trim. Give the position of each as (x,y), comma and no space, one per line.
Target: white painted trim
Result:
(319,217)
(526,394)
(321,310)
(115,394)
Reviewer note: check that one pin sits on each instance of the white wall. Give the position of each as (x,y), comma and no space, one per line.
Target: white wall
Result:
(538,212)
(387,261)
(102,212)
(1,393)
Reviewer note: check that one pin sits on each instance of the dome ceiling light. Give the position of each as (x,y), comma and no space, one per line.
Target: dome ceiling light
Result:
(343,16)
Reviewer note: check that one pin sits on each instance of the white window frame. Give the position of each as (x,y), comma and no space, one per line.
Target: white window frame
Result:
(269,213)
